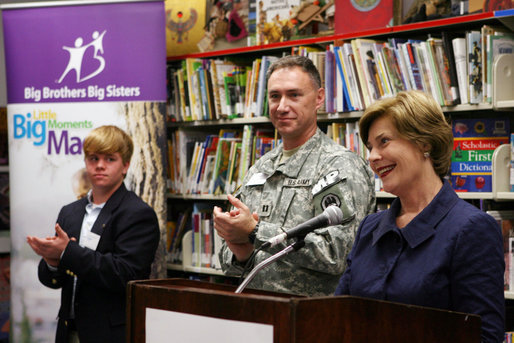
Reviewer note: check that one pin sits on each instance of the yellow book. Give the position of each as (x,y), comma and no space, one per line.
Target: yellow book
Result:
(360,71)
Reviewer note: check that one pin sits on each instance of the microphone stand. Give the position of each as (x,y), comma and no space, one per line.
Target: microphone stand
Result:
(293,247)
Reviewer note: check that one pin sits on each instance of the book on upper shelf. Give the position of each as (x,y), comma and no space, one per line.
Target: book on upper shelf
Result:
(413,64)
(396,44)
(475,65)
(447,38)
(219,69)
(461,67)
(330,81)
(318,58)
(382,72)
(392,65)
(497,42)
(260,109)
(426,70)
(442,70)
(343,101)
(172,103)
(366,69)
(473,147)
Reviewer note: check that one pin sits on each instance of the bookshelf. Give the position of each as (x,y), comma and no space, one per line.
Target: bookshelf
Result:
(421,30)
(505,17)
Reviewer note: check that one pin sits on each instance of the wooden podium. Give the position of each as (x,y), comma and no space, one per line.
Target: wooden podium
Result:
(298,319)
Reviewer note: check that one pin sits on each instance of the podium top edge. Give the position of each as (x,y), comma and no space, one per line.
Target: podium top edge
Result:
(210,288)
(21,5)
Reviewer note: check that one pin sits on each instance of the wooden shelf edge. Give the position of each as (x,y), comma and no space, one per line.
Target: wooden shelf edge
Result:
(475,195)
(322,117)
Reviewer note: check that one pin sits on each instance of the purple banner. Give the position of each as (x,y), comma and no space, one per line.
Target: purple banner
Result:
(82,53)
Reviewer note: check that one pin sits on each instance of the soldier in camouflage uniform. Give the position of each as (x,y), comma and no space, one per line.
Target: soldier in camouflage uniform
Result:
(292,183)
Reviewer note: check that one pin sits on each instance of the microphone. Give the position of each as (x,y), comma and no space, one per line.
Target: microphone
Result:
(331,216)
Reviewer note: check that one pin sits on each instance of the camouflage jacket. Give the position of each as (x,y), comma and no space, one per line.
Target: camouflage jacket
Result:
(287,194)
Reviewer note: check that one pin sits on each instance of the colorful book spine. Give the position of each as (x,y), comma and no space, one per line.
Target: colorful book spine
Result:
(344,92)
(266,61)
(330,85)
(474,46)
(461,69)
(412,66)
(454,83)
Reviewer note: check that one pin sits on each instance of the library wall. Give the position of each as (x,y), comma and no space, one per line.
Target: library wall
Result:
(212,94)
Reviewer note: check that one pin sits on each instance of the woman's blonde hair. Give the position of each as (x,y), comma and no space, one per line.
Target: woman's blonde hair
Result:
(418,118)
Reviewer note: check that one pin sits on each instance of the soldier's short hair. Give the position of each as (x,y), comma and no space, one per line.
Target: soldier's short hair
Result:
(296,61)
(418,118)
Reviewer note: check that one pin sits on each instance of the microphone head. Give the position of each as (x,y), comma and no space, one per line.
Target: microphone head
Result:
(334,215)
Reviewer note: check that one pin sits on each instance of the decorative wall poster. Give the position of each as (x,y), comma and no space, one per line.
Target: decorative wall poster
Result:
(371,14)
(284,20)
(71,67)
(185,22)
(206,25)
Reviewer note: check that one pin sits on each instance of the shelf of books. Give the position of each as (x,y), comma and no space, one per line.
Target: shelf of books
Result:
(196,250)
(218,125)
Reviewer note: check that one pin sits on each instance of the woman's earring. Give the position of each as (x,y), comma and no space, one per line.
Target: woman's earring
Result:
(426,154)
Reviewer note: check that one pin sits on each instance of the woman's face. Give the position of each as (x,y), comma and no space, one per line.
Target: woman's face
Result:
(398,162)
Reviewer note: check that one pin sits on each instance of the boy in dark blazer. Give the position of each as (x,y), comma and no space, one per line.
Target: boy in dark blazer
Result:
(102,241)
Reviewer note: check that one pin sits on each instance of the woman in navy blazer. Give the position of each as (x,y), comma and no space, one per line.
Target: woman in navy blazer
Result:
(430,248)
(102,241)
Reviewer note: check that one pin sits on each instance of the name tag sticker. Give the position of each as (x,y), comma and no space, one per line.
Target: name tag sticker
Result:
(297,182)
(257,179)
(91,241)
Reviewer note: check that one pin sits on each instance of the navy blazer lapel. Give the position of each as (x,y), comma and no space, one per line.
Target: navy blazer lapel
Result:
(75,222)
(106,212)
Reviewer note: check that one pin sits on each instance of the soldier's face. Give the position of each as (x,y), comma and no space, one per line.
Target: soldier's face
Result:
(293,101)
